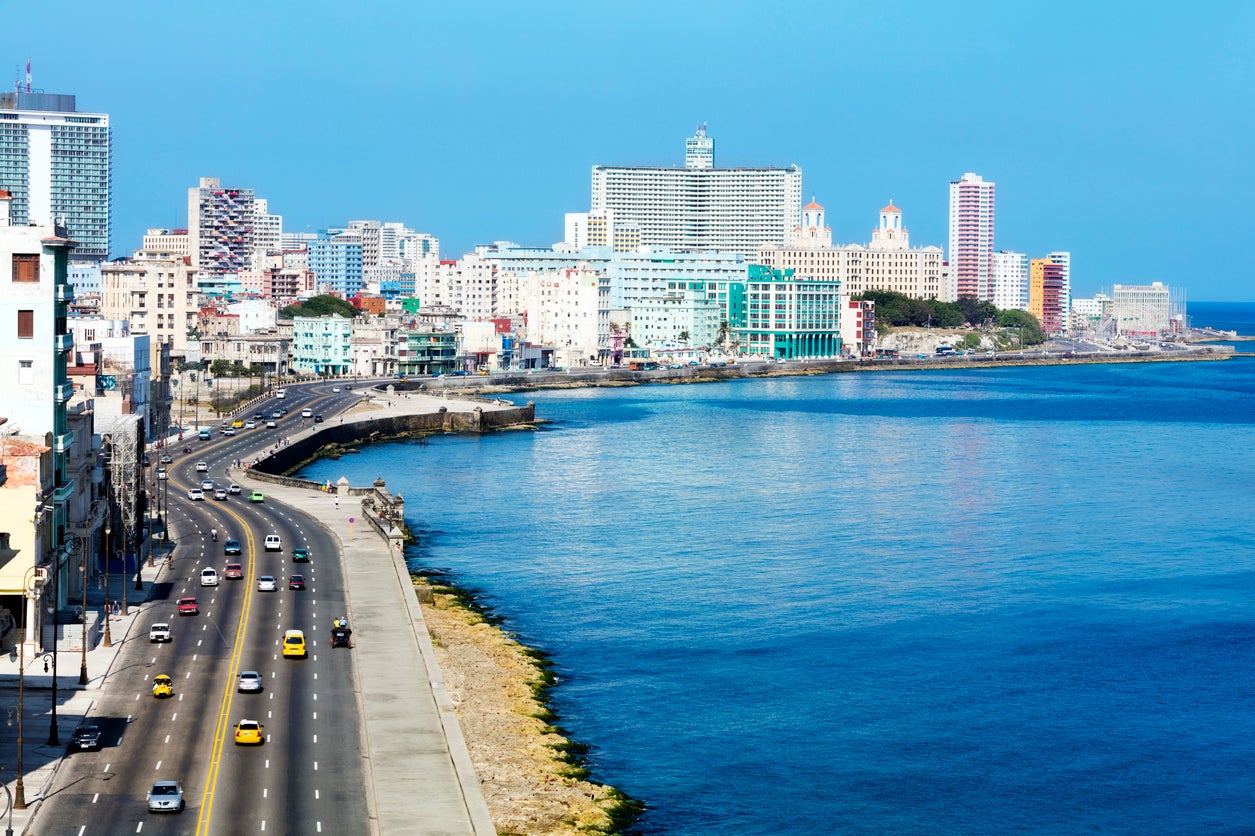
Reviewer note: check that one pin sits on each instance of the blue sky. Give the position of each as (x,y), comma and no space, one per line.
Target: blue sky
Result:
(1121,131)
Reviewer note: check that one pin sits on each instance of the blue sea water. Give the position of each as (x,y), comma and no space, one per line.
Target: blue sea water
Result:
(1001,600)
(1226,316)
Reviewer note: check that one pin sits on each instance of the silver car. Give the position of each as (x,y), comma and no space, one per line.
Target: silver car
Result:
(195,493)
(249,681)
(165,797)
(267,583)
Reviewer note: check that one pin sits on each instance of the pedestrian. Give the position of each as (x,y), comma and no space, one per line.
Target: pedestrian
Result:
(337,500)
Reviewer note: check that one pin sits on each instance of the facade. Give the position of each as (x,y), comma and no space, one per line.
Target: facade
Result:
(264,350)
(172,241)
(267,234)
(700,207)
(972,236)
(1064,260)
(568,309)
(57,162)
(220,227)
(1142,309)
(157,294)
(1045,294)
(887,263)
(789,316)
(598,229)
(858,326)
(36,439)
(1010,281)
(426,351)
(337,265)
(322,345)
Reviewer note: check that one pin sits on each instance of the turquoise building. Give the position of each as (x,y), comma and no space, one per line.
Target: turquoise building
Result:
(322,344)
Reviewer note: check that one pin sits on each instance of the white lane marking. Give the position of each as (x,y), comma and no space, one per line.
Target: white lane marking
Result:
(265,792)
(315,715)
(106,771)
(272,695)
(319,825)
(194,655)
(139,827)
(137,696)
(128,718)
(167,738)
(198,641)
(188,675)
(315,697)
(315,738)
(95,798)
(157,767)
(263,824)
(174,716)
(180,698)
(267,763)
(315,795)
(270,715)
(153,662)
(315,766)
(82,830)
(315,676)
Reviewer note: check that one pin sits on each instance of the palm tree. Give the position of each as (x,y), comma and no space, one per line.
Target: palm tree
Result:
(684,337)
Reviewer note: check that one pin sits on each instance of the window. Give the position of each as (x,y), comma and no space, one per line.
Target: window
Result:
(25,325)
(25,372)
(25,268)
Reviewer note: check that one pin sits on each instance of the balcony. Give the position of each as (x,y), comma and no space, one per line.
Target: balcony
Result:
(65,293)
(64,342)
(63,392)
(62,493)
(62,443)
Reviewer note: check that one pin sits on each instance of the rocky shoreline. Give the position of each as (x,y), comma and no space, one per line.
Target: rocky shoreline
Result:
(531,774)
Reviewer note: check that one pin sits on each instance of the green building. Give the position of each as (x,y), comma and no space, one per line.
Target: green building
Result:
(785,316)
(427,351)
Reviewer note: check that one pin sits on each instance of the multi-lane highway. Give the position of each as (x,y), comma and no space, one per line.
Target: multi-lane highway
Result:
(309,776)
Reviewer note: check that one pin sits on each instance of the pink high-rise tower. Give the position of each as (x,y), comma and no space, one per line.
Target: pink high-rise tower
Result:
(972,236)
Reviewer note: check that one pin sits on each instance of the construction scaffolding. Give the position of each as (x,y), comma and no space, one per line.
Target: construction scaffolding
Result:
(124,472)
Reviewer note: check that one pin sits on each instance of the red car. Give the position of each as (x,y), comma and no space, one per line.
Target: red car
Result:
(234,572)
(188,606)
(296,582)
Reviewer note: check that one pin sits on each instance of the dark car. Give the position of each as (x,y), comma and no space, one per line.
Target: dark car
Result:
(300,555)
(317,419)
(86,736)
(231,547)
(296,582)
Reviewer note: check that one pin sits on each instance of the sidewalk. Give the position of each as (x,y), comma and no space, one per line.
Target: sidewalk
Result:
(74,701)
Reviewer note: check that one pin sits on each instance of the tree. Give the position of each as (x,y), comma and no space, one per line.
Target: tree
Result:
(1027,324)
(324,305)
(684,337)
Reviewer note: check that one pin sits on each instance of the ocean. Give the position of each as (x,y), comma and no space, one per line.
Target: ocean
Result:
(962,601)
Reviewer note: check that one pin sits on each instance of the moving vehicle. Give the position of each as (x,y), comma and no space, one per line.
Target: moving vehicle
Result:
(335,390)
(234,490)
(300,555)
(234,572)
(250,425)
(341,636)
(294,644)
(237,423)
(270,422)
(166,458)
(202,467)
(208,577)
(188,606)
(163,686)
(296,582)
(266,583)
(231,547)
(161,473)
(220,494)
(165,797)
(204,434)
(249,681)
(945,351)
(228,430)
(86,736)
(159,632)
(207,484)
(248,733)
(281,393)
(195,494)
(277,414)
(256,496)
(317,419)
(307,413)
(273,543)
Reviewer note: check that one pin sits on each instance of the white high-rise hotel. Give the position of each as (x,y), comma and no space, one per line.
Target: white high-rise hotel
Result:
(57,163)
(701,207)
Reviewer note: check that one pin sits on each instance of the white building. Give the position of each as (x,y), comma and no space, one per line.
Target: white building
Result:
(57,162)
(972,236)
(157,294)
(267,233)
(585,230)
(1142,309)
(566,308)
(887,263)
(700,207)
(1010,280)
(172,241)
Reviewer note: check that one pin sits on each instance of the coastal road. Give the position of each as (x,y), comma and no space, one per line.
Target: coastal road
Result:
(309,776)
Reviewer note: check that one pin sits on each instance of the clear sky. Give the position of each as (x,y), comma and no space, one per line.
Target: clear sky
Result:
(1121,131)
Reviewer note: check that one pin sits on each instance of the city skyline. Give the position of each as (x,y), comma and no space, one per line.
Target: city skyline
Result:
(1124,148)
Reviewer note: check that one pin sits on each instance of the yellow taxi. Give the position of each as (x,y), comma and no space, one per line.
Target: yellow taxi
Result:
(249,732)
(294,643)
(163,686)
(238,423)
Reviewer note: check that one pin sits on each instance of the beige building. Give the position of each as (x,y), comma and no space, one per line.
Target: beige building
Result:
(887,263)
(173,241)
(156,292)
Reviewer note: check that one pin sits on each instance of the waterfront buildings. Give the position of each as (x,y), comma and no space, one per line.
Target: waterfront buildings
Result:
(157,293)
(789,316)
(220,227)
(888,262)
(1064,260)
(701,207)
(322,344)
(972,236)
(1010,281)
(568,309)
(56,162)
(1142,310)
(1045,294)
(858,326)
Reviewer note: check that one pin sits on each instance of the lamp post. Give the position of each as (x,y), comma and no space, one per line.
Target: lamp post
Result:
(19,800)
(148,512)
(9,830)
(91,517)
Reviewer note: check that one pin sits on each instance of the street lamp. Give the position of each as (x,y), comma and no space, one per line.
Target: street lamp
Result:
(108,639)
(19,800)
(91,517)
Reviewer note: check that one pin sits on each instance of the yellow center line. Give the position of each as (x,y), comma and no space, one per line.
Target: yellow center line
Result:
(228,693)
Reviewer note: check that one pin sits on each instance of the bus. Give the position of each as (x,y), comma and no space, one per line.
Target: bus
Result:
(945,351)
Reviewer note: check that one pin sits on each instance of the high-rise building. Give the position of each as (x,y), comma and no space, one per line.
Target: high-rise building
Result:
(1045,294)
(220,227)
(337,265)
(700,207)
(1010,281)
(1064,260)
(57,163)
(972,236)
(267,233)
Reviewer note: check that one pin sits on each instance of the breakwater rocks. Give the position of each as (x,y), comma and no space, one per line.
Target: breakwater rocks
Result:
(531,774)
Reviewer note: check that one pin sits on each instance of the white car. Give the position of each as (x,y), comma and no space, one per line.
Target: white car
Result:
(165,797)
(307,413)
(267,583)
(195,493)
(250,425)
(201,467)
(161,473)
(273,543)
(234,490)
(208,577)
(335,389)
(207,485)
(159,632)
(249,681)
(270,422)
